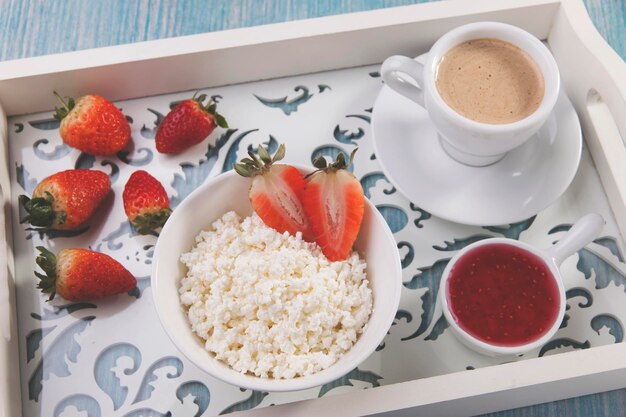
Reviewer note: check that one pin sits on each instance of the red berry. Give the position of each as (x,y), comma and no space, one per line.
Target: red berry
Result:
(93,125)
(145,202)
(82,275)
(188,124)
(65,200)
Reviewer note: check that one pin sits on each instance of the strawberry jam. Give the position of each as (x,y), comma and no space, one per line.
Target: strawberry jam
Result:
(503,295)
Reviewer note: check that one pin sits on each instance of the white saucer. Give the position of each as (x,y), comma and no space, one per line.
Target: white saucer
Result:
(524,182)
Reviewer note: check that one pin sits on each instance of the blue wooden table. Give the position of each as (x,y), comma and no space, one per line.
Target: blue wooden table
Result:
(31,28)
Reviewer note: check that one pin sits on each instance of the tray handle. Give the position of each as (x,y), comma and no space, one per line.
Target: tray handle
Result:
(593,75)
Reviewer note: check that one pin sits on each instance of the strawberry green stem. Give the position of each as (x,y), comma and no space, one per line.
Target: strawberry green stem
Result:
(211,108)
(148,222)
(340,163)
(61,112)
(60,99)
(39,211)
(47,261)
(258,165)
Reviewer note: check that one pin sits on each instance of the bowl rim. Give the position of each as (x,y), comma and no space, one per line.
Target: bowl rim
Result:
(333,372)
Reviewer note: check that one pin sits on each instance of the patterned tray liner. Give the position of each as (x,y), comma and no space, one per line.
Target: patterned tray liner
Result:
(112,358)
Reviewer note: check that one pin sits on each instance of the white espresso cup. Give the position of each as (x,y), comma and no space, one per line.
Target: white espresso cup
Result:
(468,141)
(582,233)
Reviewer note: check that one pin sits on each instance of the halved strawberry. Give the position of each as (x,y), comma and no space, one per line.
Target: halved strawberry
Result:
(334,202)
(276,191)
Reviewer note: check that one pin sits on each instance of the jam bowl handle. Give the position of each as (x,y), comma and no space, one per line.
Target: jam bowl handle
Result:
(583,232)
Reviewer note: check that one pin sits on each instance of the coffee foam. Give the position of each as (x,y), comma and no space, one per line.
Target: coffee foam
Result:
(490,81)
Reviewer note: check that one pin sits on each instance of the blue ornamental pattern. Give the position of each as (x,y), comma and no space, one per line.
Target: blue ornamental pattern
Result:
(111,358)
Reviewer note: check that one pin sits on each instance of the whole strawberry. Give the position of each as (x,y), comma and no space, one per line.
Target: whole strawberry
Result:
(145,202)
(276,191)
(334,202)
(65,200)
(93,125)
(188,124)
(82,275)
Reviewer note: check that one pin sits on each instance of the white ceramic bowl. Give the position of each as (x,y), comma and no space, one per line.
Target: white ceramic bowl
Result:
(208,203)
(583,232)
(490,349)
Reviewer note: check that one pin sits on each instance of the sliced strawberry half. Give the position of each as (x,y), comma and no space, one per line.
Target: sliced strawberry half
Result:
(276,191)
(334,203)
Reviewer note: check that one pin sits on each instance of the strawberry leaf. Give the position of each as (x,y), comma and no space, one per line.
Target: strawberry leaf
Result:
(60,217)
(352,156)
(258,164)
(39,211)
(341,161)
(149,221)
(40,275)
(320,162)
(61,112)
(47,262)
(256,159)
(221,121)
(280,153)
(242,170)
(264,155)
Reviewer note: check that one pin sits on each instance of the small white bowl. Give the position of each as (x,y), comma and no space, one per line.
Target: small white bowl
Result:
(583,232)
(491,349)
(227,192)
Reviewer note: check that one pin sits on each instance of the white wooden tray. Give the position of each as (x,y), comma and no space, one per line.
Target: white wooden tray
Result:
(593,78)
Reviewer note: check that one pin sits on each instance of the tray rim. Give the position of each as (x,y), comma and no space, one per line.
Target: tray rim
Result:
(288,37)
(599,369)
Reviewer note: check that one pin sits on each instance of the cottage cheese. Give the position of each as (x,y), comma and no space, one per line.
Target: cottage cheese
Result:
(271,304)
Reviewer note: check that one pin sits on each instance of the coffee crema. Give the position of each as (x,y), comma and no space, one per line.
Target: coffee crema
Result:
(490,81)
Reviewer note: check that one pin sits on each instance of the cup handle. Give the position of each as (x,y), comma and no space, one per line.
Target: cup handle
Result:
(401,64)
(583,232)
